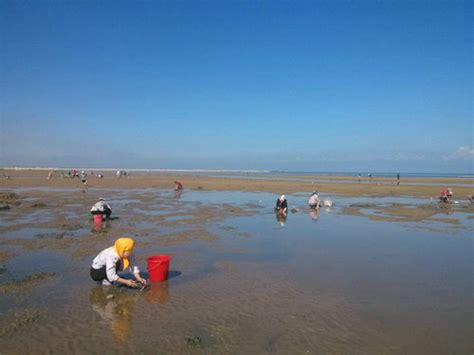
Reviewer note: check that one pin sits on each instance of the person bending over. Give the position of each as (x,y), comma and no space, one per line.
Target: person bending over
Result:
(114,259)
(445,195)
(314,201)
(281,205)
(102,207)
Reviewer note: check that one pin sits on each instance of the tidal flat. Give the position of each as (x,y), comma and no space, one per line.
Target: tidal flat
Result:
(373,274)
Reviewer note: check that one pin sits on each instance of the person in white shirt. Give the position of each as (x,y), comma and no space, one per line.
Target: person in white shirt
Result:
(314,201)
(102,208)
(110,261)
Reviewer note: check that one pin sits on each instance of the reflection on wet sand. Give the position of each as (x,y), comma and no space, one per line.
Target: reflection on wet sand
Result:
(115,305)
(158,292)
(281,218)
(114,308)
(314,214)
(100,227)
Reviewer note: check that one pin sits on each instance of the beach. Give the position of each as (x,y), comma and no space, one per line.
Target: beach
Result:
(338,185)
(387,269)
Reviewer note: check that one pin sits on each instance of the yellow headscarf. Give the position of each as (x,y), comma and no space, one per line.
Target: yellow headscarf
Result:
(123,245)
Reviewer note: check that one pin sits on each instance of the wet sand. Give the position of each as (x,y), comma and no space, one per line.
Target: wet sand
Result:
(378,273)
(339,185)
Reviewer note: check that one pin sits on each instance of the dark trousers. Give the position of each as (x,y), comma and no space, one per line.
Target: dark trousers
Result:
(101,274)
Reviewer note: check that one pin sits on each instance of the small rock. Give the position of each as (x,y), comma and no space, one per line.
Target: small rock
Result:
(110,297)
(4,207)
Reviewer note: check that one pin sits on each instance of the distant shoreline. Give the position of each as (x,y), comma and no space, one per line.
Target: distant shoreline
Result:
(278,184)
(253,171)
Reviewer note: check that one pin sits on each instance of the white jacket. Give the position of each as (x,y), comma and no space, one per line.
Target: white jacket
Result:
(313,200)
(108,258)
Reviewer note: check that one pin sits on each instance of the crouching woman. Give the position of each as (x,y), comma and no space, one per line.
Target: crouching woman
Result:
(110,261)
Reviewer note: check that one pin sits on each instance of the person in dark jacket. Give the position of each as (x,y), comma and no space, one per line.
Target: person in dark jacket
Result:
(281,205)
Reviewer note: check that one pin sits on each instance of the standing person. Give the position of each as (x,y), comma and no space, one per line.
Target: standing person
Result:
(110,261)
(282,205)
(314,201)
(358,178)
(178,185)
(398,178)
(83,177)
(101,207)
(119,174)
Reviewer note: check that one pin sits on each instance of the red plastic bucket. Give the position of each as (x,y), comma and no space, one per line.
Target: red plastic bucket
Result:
(97,218)
(158,267)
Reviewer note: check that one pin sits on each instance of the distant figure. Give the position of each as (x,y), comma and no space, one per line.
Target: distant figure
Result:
(103,208)
(83,177)
(370,177)
(314,201)
(75,173)
(358,178)
(50,175)
(281,205)
(178,185)
(398,178)
(470,198)
(445,195)
(119,174)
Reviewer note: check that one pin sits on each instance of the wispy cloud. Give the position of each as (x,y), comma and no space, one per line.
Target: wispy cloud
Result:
(462,153)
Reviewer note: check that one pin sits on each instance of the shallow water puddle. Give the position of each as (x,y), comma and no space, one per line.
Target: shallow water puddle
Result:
(245,280)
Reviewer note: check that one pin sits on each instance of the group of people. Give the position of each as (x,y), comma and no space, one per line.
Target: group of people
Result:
(281,205)
(121,173)
(119,257)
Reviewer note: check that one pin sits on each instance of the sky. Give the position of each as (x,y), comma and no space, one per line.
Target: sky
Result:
(276,85)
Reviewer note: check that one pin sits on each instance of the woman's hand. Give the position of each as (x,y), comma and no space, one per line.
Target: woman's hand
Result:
(129,283)
(140,279)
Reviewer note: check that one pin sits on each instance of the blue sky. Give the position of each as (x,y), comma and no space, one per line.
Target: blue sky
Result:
(303,86)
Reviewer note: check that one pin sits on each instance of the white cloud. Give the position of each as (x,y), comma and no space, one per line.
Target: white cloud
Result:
(462,153)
